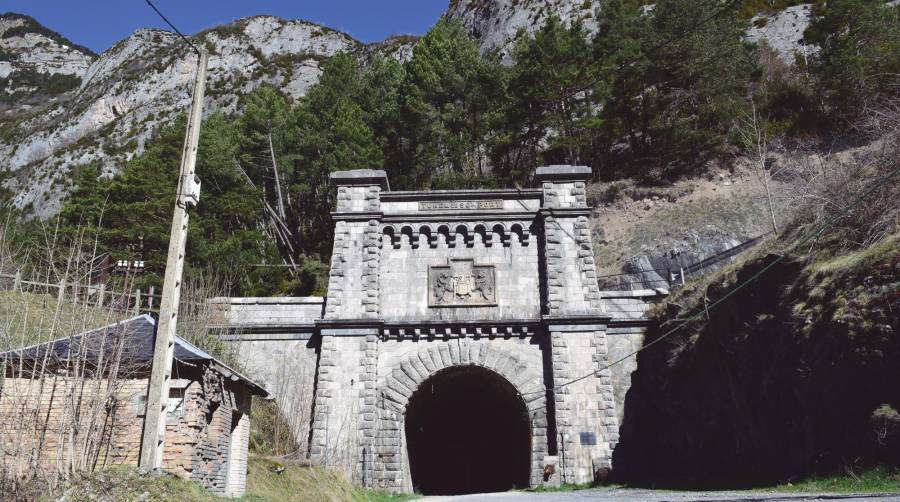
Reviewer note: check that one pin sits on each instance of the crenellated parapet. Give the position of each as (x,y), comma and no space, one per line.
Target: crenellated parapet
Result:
(450,234)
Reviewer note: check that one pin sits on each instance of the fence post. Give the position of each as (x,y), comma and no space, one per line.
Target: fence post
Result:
(137,301)
(150,298)
(681,271)
(101,295)
(17,281)
(62,291)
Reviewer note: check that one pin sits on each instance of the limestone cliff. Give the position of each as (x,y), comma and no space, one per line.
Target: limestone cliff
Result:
(62,106)
(141,83)
(26,45)
(498,23)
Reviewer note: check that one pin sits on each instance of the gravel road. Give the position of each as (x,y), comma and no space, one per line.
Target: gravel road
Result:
(630,494)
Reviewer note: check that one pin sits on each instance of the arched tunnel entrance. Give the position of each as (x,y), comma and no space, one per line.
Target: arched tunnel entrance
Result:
(467,431)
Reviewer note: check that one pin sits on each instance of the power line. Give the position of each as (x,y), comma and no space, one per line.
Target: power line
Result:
(173,27)
(813,235)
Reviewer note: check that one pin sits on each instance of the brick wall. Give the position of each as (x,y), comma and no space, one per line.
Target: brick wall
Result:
(60,421)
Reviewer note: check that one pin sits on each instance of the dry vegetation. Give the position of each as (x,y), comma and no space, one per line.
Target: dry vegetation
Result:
(47,293)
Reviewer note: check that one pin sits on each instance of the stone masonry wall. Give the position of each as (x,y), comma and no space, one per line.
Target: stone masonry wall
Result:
(380,338)
(404,277)
(584,397)
(287,369)
(198,439)
(403,365)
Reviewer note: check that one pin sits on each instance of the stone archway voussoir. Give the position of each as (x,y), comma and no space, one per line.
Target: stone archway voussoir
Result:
(401,383)
(410,370)
(436,360)
(425,358)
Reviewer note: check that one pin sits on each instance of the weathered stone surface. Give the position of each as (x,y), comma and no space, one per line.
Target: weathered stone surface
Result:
(383,334)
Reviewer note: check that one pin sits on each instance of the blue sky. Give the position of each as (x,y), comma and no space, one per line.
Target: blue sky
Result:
(99,24)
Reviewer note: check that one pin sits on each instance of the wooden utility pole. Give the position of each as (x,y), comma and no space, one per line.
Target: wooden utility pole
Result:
(187,196)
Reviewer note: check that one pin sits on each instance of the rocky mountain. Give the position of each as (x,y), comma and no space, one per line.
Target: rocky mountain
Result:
(26,46)
(498,23)
(123,96)
(783,31)
(62,106)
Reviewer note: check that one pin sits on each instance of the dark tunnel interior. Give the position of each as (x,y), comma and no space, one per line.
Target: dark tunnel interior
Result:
(467,431)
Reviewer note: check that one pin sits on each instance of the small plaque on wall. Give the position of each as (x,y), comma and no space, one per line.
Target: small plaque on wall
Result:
(452,205)
(587,438)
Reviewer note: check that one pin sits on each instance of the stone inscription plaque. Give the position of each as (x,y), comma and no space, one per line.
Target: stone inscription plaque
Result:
(445,205)
(461,283)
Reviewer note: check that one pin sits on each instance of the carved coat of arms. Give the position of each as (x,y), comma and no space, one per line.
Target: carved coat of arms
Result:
(461,283)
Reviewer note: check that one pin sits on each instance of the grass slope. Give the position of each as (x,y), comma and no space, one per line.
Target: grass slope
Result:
(267,481)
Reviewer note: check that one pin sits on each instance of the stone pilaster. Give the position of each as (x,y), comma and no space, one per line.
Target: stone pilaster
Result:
(353,291)
(322,403)
(586,265)
(344,418)
(586,421)
(368,412)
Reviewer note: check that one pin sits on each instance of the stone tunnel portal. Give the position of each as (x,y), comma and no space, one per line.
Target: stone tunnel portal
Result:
(467,431)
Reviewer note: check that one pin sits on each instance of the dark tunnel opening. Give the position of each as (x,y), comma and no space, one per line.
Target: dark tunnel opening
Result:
(467,431)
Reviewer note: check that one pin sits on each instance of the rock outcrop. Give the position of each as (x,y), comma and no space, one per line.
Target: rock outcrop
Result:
(26,45)
(783,31)
(497,24)
(142,83)
(62,106)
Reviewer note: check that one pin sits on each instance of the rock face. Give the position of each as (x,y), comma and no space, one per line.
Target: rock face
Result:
(62,106)
(498,23)
(25,45)
(142,83)
(783,31)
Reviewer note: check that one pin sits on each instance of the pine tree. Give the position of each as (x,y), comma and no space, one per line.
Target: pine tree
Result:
(447,96)
(859,59)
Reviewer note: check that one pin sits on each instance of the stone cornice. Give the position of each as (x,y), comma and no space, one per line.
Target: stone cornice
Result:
(562,173)
(474,215)
(356,216)
(361,177)
(576,320)
(412,196)
(566,212)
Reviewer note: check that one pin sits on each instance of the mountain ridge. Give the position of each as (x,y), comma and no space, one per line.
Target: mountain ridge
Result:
(106,107)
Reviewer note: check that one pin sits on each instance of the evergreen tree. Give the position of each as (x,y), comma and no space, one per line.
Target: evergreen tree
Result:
(859,59)
(678,72)
(224,235)
(551,115)
(447,97)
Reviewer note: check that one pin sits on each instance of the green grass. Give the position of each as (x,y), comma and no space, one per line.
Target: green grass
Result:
(125,484)
(878,480)
(860,259)
(275,481)
(29,318)
(267,481)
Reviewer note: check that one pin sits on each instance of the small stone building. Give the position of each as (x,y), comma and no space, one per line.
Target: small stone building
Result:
(80,401)
(463,345)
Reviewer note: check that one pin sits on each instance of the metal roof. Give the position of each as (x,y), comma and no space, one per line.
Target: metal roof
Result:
(132,340)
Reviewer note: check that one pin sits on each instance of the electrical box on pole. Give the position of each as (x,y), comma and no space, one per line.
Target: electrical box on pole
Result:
(187,196)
